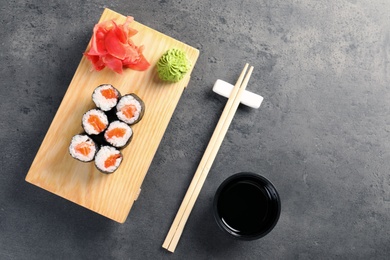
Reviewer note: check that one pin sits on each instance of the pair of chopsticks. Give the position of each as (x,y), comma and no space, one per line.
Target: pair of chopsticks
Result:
(207,160)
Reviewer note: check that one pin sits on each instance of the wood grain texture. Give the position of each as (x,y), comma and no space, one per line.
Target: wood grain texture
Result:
(54,170)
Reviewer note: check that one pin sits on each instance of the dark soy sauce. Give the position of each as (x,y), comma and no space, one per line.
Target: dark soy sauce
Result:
(243,207)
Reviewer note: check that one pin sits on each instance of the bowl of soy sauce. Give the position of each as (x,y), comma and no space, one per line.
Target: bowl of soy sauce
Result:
(246,206)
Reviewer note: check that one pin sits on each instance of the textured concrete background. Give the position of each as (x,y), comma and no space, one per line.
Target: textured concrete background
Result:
(321,135)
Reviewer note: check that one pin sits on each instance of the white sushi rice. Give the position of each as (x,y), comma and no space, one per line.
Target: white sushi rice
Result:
(78,139)
(103,154)
(88,127)
(101,101)
(128,100)
(118,141)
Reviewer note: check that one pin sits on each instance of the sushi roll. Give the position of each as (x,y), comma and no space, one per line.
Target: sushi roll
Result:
(105,97)
(108,159)
(83,148)
(94,121)
(118,134)
(130,109)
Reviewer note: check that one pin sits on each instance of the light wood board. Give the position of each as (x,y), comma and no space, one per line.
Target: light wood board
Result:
(54,170)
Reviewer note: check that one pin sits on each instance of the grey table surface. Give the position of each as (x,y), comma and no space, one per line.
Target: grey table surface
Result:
(321,135)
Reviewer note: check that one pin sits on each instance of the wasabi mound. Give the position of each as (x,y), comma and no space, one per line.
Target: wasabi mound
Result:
(173,65)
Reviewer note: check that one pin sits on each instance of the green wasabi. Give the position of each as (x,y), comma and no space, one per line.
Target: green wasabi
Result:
(173,65)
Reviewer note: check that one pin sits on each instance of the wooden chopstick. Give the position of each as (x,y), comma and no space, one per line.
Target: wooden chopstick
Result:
(201,173)
(200,168)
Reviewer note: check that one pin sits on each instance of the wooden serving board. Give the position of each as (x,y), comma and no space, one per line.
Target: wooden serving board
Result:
(54,170)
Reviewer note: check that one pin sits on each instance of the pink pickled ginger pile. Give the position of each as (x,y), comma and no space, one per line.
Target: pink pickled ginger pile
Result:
(112,47)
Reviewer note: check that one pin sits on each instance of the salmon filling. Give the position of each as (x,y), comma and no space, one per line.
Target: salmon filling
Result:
(129,111)
(96,123)
(111,160)
(116,132)
(108,93)
(83,148)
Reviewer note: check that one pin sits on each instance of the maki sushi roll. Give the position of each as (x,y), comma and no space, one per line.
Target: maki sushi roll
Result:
(94,121)
(130,109)
(118,134)
(83,148)
(105,97)
(108,159)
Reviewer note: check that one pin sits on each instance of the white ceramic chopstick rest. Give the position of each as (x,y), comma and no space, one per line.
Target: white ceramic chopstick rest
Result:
(248,98)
